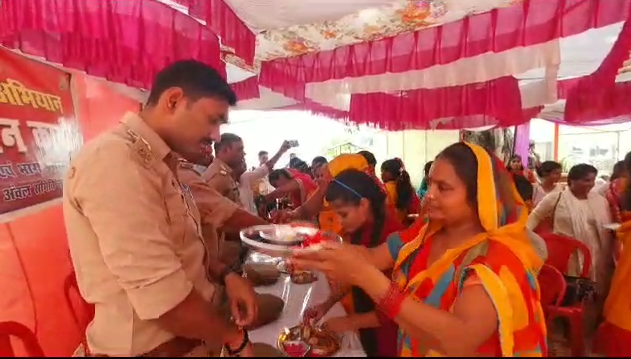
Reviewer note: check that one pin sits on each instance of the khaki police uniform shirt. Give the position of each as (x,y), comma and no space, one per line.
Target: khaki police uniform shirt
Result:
(219,177)
(134,237)
(214,208)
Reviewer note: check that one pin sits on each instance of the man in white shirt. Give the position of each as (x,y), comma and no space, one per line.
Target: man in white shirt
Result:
(248,179)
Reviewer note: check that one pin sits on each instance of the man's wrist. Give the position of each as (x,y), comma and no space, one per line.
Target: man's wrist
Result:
(229,276)
(233,337)
(220,272)
(237,342)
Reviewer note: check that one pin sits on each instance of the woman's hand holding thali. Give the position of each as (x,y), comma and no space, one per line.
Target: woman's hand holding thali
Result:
(340,262)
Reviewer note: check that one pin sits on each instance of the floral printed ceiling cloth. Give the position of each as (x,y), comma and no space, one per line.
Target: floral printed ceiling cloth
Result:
(292,28)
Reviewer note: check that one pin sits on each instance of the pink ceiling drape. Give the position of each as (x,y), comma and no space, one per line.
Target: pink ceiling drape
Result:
(121,41)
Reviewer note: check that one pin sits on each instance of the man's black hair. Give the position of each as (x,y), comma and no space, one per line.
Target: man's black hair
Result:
(196,79)
(227,139)
(370,158)
(263,153)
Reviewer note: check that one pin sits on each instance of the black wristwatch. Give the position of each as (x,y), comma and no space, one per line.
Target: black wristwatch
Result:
(244,343)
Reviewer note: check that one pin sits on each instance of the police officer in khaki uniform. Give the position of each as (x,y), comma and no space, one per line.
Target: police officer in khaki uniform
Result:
(229,154)
(220,212)
(217,212)
(134,232)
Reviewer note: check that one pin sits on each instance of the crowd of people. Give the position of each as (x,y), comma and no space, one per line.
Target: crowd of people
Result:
(449,269)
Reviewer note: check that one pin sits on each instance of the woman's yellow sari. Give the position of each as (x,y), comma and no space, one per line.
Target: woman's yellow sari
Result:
(501,259)
(614,335)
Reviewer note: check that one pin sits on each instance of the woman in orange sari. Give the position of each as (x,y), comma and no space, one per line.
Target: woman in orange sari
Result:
(614,335)
(465,284)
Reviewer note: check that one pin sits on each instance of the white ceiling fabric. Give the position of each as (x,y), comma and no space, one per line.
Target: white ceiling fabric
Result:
(261,15)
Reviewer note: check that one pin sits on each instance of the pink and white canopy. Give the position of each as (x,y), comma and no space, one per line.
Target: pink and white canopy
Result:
(396,64)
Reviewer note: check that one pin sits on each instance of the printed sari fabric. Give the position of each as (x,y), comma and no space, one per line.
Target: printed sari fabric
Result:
(614,335)
(502,260)
(612,194)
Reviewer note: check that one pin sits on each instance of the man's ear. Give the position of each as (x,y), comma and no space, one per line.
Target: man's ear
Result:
(171,98)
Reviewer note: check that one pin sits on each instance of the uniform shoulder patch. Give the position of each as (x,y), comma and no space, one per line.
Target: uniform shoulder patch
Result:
(141,149)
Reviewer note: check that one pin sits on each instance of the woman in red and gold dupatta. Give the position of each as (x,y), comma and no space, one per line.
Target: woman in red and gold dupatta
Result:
(465,284)
(614,335)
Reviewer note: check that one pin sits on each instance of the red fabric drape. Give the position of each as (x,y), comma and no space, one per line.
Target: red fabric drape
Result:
(122,41)
(495,102)
(246,89)
(99,106)
(528,23)
(597,96)
(224,22)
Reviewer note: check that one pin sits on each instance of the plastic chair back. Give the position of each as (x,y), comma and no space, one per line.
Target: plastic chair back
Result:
(21,332)
(561,249)
(82,312)
(552,285)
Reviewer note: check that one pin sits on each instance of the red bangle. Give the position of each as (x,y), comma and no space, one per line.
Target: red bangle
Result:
(390,304)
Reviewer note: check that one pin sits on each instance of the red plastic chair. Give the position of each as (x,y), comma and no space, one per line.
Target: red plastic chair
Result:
(24,334)
(82,311)
(553,286)
(560,250)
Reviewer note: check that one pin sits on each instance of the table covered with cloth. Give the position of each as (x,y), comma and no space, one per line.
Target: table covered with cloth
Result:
(297,298)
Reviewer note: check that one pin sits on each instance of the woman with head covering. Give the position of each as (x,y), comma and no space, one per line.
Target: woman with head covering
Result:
(516,168)
(361,205)
(464,284)
(614,335)
(399,189)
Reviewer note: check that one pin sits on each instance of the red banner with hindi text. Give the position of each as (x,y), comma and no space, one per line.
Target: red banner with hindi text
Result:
(38,131)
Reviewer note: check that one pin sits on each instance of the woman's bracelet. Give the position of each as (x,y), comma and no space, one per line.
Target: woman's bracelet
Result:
(390,304)
(238,350)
